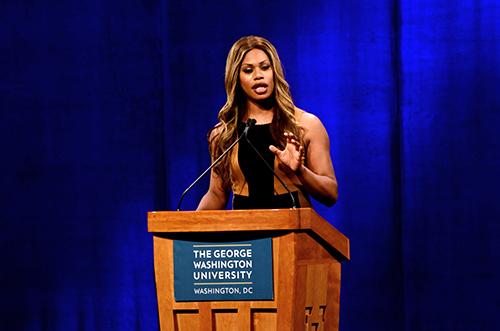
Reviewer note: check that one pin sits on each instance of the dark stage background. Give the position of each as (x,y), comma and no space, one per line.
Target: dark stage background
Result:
(104,110)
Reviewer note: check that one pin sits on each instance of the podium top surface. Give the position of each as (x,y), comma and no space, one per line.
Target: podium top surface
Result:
(300,219)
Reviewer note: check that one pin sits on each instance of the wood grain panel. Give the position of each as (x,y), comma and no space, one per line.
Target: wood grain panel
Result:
(222,221)
(263,320)
(186,320)
(226,319)
(316,292)
(285,279)
(333,311)
(163,262)
(249,220)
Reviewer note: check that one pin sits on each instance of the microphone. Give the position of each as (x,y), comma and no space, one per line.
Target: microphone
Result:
(250,122)
(272,170)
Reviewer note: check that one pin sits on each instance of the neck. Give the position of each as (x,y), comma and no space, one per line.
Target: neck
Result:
(262,112)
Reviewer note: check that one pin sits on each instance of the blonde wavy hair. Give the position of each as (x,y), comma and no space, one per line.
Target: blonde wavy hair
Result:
(231,114)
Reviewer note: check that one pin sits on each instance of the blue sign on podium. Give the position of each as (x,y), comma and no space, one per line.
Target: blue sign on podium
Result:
(221,271)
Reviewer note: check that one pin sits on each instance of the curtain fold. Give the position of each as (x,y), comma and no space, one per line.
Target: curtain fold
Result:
(450,107)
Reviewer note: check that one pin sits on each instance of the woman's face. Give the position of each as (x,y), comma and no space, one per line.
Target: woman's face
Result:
(256,75)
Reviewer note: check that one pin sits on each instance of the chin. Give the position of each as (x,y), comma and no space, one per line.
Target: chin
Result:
(262,97)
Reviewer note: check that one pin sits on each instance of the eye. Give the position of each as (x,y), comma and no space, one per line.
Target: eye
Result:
(247,70)
(265,66)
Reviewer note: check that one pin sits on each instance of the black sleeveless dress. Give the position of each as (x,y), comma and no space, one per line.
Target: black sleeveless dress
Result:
(259,177)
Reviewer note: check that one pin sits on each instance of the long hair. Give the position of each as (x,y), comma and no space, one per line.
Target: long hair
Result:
(226,130)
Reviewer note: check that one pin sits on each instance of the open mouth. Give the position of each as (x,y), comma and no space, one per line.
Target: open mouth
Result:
(260,88)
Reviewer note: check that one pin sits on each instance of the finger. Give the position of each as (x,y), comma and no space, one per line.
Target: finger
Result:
(296,143)
(289,135)
(274,149)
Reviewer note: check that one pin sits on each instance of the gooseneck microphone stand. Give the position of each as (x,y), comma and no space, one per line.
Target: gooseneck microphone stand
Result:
(250,122)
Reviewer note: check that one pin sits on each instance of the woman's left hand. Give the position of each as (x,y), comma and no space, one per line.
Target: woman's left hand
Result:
(292,154)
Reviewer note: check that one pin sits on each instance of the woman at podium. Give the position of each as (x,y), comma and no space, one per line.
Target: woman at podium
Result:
(284,157)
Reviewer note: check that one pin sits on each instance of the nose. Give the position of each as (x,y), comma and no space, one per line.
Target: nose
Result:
(258,74)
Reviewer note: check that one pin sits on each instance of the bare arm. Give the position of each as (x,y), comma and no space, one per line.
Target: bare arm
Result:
(318,176)
(216,197)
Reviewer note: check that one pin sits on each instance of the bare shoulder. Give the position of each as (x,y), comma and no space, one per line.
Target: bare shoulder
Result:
(309,122)
(213,137)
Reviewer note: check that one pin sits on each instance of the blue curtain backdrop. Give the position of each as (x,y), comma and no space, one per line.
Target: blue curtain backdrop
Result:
(104,108)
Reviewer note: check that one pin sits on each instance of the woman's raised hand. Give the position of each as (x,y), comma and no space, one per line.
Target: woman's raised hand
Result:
(292,154)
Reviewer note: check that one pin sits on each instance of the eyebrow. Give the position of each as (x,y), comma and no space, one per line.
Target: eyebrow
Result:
(250,64)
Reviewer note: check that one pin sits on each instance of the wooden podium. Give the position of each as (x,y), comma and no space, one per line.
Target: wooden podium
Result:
(307,252)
